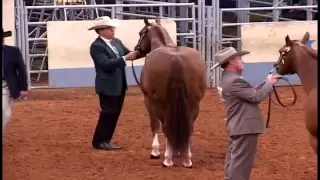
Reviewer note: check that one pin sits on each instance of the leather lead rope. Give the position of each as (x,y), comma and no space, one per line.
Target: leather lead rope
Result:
(136,79)
(278,99)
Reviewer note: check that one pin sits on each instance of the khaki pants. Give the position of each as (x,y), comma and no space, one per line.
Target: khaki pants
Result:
(6,106)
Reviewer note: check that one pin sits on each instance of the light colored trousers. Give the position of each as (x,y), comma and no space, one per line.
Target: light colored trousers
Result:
(6,106)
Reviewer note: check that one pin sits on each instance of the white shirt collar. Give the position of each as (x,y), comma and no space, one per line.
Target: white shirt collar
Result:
(105,40)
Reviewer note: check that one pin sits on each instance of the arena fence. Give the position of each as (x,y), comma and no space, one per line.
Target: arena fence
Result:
(206,28)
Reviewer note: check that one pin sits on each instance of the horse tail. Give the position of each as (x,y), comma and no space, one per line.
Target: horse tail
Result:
(178,125)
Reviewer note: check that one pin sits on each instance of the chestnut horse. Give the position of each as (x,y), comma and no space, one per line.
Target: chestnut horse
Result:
(173,82)
(297,57)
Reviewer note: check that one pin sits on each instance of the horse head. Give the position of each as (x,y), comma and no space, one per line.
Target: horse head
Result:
(292,54)
(150,33)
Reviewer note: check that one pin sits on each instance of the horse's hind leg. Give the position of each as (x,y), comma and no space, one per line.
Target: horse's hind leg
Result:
(154,125)
(168,155)
(187,157)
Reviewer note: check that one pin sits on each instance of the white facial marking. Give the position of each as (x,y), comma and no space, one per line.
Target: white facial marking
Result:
(287,49)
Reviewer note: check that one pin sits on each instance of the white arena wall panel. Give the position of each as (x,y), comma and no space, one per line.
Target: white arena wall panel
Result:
(264,40)
(69,60)
(8,20)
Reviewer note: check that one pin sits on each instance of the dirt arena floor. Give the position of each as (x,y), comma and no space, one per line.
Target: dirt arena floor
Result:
(49,138)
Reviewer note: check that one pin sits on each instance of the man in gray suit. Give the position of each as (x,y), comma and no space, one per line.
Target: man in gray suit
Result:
(109,56)
(243,118)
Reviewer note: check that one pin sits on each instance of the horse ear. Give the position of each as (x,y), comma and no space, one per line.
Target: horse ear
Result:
(288,41)
(305,38)
(158,20)
(146,22)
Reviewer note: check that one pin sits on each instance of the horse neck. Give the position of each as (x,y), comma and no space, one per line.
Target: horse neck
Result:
(159,37)
(307,70)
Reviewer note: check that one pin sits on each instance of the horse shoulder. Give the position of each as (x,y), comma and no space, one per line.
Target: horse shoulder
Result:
(311,112)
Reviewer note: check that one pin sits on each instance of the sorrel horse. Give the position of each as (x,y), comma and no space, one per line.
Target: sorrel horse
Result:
(173,82)
(296,57)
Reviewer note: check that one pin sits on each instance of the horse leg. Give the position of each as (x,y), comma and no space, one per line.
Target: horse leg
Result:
(155,153)
(168,155)
(187,157)
(314,143)
(154,125)
(187,154)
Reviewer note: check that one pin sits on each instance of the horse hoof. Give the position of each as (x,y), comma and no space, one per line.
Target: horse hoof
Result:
(187,165)
(154,157)
(165,166)
(168,165)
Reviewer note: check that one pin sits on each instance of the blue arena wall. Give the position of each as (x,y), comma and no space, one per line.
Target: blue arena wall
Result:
(254,73)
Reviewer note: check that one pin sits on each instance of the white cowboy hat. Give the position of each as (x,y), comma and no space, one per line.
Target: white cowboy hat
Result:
(103,22)
(226,54)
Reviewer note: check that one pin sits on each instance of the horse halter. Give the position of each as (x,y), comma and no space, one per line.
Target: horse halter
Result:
(276,66)
(282,56)
(137,49)
(138,46)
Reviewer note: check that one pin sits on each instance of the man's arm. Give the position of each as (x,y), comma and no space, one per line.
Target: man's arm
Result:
(126,50)
(243,90)
(101,59)
(22,72)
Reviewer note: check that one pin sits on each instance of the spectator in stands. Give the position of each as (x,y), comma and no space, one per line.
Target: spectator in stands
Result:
(243,118)
(109,56)
(14,78)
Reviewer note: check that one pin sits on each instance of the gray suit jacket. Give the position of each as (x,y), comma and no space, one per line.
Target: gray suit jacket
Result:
(242,103)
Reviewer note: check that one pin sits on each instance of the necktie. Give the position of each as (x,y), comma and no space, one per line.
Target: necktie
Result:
(2,64)
(113,44)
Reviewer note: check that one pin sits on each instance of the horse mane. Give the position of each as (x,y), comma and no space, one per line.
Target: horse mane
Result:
(312,52)
(163,35)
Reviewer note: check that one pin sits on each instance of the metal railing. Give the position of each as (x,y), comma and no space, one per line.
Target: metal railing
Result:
(23,24)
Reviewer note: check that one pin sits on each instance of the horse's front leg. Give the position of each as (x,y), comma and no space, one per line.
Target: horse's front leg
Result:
(154,125)
(314,143)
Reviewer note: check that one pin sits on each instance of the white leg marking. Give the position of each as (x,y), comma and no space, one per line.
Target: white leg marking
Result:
(155,146)
(168,155)
(187,158)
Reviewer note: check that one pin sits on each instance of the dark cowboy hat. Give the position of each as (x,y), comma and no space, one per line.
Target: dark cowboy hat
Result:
(226,54)
(6,33)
